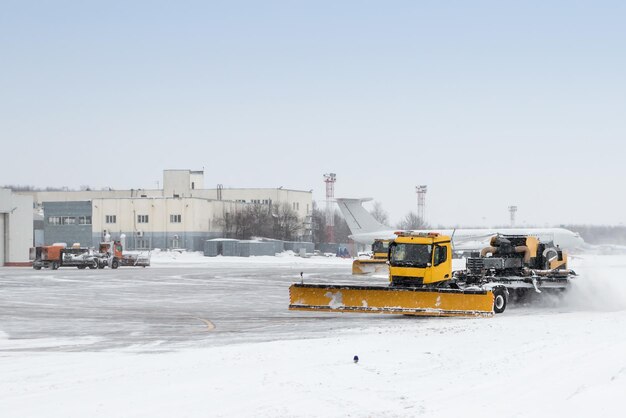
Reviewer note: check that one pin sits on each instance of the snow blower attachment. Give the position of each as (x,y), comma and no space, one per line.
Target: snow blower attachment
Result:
(521,263)
(421,281)
(377,263)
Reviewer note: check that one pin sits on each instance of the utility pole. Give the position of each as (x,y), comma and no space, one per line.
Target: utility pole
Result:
(330,180)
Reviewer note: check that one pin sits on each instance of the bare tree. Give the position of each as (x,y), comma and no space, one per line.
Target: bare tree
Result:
(241,224)
(278,221)
(260,220)
(379,213)
(342,231)
(412,221)
(286,222)
(318,226)
(226,222)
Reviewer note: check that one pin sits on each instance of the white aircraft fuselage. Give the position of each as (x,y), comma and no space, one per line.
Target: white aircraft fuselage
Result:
(477,238)
(365,229)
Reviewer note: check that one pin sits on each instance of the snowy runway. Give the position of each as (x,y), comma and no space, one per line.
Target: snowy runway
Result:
(204,338)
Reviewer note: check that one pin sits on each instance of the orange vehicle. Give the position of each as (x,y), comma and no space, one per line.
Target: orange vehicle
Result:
(55,256)
(112,255)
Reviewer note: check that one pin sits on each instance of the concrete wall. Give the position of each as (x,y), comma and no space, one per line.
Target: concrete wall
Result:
(198,219)
(229,247)
(16,235)
(225,247)
(192,241)
(300,201)
(256,248)
(176,183)
(308,247)
(196,180)
(67,233)
(76,196)
(196,216)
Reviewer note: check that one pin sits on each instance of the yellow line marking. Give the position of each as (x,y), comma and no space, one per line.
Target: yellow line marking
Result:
(210,326)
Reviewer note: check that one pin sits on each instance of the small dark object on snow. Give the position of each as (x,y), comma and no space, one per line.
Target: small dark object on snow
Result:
(356,359)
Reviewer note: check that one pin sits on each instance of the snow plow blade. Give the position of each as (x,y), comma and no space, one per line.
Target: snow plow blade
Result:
(390,300)
(368,266)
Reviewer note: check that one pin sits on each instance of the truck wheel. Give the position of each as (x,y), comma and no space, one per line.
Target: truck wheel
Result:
(101,265)
(81,267)
(115,264)
(93,265)
(499,299)
(55,265)
(37,267)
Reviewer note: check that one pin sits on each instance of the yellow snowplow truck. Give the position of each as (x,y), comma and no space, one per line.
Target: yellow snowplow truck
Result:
(377,263)
(422,281)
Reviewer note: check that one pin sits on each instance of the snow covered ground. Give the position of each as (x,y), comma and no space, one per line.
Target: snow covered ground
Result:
(196,337)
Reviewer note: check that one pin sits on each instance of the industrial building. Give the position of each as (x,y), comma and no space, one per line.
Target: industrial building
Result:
(16,228)
(181,215)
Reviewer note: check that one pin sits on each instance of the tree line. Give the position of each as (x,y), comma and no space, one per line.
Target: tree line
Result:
(280,221)
(275,221)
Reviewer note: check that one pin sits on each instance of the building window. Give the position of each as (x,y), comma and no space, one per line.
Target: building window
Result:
(68,220)
(142,244)
(193,185)
(296,206)
(142,219)
(110,219)
(256,201)
(175,219)
(84,220)
(240,200)
(175,242)
(54,220)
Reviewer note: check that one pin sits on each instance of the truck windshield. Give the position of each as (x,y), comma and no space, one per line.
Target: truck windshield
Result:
(411,255)
(380,246)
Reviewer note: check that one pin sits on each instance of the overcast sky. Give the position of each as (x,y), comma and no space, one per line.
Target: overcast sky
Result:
(489,103)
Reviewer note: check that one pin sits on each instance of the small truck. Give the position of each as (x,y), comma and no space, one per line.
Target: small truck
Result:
(55,256)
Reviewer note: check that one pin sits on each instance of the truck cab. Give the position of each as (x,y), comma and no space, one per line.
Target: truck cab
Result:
(380,249)
(419,259)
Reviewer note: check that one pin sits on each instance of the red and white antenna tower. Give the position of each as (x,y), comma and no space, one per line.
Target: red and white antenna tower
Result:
(512,210)
(330,180)
(421,202)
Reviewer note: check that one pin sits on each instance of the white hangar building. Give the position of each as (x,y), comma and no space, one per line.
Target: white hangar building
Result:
(181,215)
(16,228)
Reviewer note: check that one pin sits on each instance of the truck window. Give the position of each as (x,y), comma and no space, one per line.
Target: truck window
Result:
(441,255)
